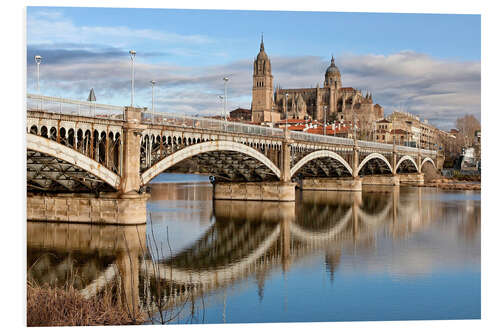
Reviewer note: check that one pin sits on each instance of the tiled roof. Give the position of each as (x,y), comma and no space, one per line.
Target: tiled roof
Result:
(242,110)
(297,127)
(329,130)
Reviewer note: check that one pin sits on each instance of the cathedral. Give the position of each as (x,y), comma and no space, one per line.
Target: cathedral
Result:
(331,101)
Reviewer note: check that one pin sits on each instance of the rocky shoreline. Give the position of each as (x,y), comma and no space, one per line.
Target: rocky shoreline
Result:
(452,184)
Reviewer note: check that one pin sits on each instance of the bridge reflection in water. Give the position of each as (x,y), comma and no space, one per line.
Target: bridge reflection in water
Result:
(245,239)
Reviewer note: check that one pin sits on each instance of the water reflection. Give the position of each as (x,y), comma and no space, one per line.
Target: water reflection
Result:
(88,256)
(194,247)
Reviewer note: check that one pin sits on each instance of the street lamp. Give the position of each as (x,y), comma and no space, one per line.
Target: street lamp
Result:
(286,111)
(354,123)
(153,98)
(132,57)
(38,60)
(324,120)
(225,97)
(222,99)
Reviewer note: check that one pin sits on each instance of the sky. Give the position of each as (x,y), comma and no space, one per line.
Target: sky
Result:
(426,64)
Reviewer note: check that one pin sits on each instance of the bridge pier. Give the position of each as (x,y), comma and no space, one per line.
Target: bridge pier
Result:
(390,180)
(130,183)
(263,191)
(108,208)
(283,190)
(412,178)
(331,184)
(254,211)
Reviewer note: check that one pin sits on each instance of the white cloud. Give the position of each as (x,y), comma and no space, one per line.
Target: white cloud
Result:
(436,89)
(48,26)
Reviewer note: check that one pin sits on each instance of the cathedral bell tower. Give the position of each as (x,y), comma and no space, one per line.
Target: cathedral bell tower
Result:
(262,90)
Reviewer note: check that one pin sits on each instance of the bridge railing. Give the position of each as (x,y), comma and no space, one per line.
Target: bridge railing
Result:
(169,119)
(429,152)
(73,107)
(91,109)
(320,138)
(376,145)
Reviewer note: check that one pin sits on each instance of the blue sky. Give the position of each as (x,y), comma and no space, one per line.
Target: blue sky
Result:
(428,64)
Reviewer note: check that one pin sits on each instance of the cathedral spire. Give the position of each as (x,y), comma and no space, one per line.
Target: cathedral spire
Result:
(333,60)
(262,41)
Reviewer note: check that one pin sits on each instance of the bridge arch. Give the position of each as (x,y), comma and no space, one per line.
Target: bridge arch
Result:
(374,156)
(206,147)
(52,148)
(213,276)
(319,154)
(375,219)
(406,158)
(313,237)
(427,159)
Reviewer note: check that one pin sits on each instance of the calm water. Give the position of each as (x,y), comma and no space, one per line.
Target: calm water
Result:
(384,254)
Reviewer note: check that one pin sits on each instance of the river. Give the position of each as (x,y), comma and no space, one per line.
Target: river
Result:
(387,253)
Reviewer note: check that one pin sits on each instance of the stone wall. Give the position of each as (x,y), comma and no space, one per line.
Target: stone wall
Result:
(411,178)
(265,191)
(331,184)
(86,208)
(381,180)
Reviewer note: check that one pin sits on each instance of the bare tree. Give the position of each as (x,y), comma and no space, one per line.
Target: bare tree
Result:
(467,126)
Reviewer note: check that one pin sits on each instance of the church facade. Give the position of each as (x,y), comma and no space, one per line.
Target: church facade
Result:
(333,101)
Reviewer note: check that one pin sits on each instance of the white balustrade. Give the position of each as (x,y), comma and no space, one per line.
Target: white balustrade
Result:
(73,107)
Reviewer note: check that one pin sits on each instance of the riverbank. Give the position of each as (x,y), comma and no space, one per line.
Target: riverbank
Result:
(457,181)
(453,184)
(67,307)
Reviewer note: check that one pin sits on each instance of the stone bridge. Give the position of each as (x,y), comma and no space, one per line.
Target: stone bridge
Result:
(114,152)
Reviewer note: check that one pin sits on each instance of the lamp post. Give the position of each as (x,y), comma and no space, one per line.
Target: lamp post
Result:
(153,98)
(222,101)
(225,97)
(354,123)
(324,120)
(132,57)
(286,112)
(38,60)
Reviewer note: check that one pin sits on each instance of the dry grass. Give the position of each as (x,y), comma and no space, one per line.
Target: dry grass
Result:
(55,306)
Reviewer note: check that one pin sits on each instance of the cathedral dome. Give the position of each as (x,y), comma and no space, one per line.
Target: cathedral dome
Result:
(332,69)
(332,76)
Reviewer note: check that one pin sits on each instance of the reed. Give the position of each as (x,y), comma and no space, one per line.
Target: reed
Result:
(65,306)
